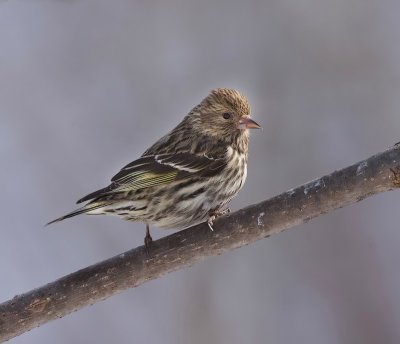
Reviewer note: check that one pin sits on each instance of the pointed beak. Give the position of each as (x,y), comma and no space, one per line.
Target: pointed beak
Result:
(247,123)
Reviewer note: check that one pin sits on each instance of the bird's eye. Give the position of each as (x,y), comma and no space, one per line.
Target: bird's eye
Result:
(226,115)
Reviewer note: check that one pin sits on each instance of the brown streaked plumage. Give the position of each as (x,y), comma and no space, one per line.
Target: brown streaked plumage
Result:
(187,176)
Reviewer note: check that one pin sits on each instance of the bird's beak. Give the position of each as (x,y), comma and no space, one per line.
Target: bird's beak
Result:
(247,123)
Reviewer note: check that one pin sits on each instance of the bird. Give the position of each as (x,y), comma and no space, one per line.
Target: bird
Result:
(189,175)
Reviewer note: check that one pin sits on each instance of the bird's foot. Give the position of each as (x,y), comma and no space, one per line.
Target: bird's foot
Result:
(224,212)
(147,241)
(213,214)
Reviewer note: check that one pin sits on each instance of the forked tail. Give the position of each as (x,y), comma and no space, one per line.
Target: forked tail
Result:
(85,209)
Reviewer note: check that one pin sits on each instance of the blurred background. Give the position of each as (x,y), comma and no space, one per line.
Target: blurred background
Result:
(87,86)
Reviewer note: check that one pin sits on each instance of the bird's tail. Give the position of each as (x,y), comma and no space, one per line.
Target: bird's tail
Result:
(85,209)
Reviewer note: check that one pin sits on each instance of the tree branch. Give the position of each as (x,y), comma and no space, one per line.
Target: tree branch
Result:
(377,174)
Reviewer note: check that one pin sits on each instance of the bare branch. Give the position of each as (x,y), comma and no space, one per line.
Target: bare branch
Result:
(377,174)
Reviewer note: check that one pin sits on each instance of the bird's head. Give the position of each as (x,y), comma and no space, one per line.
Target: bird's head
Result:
(225,114)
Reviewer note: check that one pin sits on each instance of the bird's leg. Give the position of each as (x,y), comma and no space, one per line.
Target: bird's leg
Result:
(147,240)
(214,213)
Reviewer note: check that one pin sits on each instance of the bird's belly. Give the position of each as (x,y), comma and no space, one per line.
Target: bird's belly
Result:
(183,207)
(192,203)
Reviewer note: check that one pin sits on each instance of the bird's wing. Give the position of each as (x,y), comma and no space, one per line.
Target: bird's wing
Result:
(153,170)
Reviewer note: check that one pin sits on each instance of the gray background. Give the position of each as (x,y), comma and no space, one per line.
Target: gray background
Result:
(87,86)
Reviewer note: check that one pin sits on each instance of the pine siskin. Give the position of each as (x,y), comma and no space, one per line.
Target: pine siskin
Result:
(187,176)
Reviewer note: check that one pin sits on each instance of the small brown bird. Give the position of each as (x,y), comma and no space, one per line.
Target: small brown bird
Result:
(187,176)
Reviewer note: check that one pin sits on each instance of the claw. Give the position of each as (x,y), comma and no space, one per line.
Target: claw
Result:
(147,240)
(213,214)
(225,211)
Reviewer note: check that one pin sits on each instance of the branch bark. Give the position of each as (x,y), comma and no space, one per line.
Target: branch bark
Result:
(379,173)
